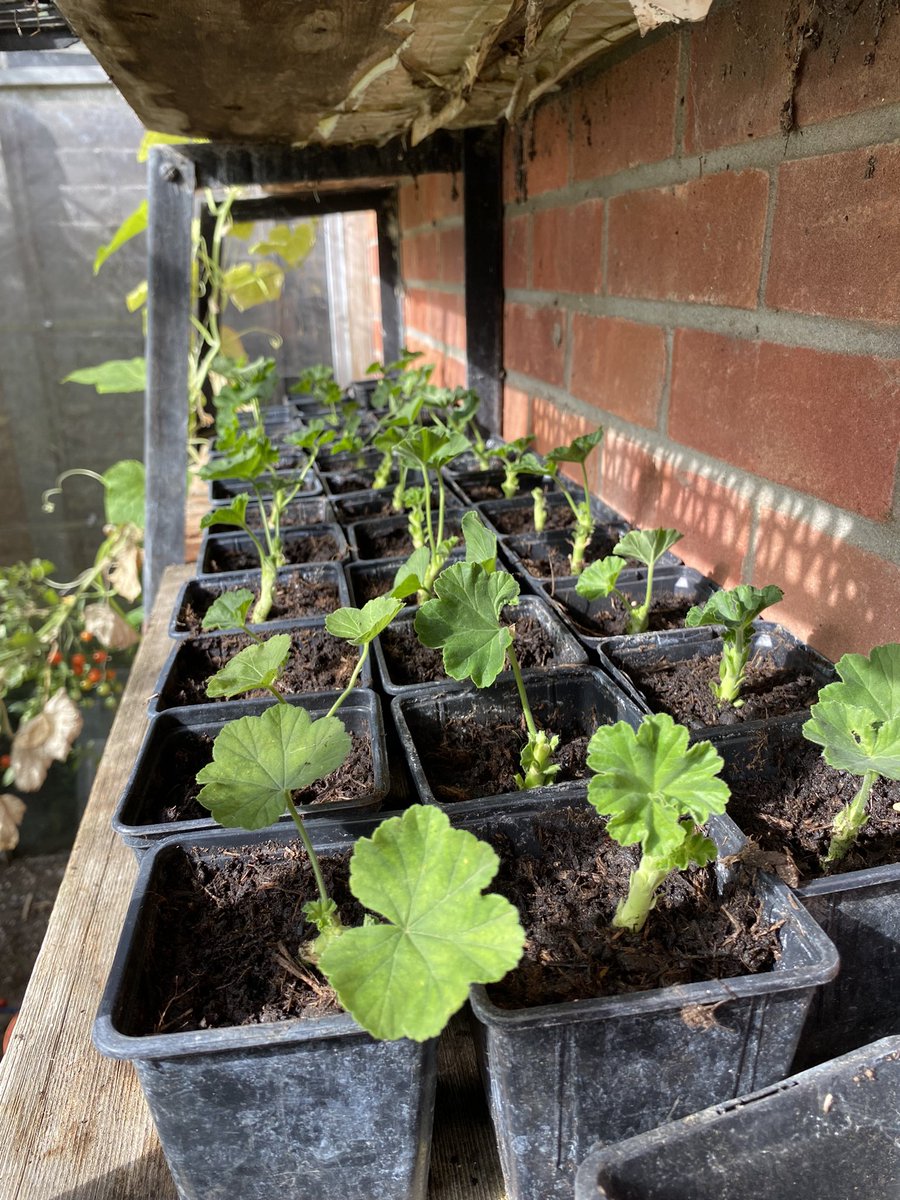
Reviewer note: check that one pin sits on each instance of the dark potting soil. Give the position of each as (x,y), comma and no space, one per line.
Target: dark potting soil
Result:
(343,482)
(682,690)
(308,548)
(410,662)
(215,911)
(294,597)
(462,763)
(667,611)
(377,507)
(567,895)
(520,521)
(174,787)
(557,563)
(318,662)
(396,543)
(790,814)
(369,587)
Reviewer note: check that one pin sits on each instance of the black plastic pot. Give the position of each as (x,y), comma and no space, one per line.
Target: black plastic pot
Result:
(859,910)
(626,658)
(261,1112)
(293,540)
(361,534)
(225,489)
(199,658)
(201,592)
(562,1077)
(565,646)
(826,1134)
(499,513)
(375,577)
(539,548)
(298,514)
(583,616)
(475,486)
(277,418)
(578,698)
(185,731)
(363,505)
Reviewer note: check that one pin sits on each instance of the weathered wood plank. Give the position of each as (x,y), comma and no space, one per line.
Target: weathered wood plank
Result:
(74,1125)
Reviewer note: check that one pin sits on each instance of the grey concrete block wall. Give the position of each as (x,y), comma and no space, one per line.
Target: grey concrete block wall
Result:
(68,176)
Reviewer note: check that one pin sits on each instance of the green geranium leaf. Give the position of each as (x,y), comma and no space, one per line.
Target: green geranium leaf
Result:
(857,721)
(735,609)
(359,626)
(647,782)
(481,544)
(291,244)
(249,284)
(125,484)
(258,761)
(577,450)
(251,456)
(600,578)
(229,611)
(134,223)
(428,447)
(410,575)
(118,375)
(647,545)
(234,513)
(464,621)
(407,977)
(254,667)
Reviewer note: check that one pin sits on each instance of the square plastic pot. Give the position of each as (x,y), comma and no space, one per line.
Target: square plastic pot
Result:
(362,534)
(293,540)
(583,696)
(225,489)
(859,910)
(827,1134)
(561,1077)
(314,510)
(195,655)
(478,485)
(538,548)
(363,505)
(204,590)
(499,514)
(171,733)
(581,615)
(624,658)
(262,1112)
(566,648)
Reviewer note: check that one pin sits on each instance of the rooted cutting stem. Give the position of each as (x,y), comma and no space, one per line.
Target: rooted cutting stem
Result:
(849,821)
(643,883)
(537,756)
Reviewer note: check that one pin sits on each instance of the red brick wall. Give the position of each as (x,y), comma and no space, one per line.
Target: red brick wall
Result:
(724,298)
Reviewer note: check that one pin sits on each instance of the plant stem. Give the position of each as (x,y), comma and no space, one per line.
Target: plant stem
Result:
(735,652)
(849,821)
(523,696)
(308,847)
(353,678)
(633,911)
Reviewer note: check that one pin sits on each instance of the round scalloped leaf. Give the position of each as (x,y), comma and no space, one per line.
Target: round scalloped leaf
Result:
(234,513)
(600,577)
(257,761)
(229,611)
(647,545)
(359,626)
(578,449)
(857,721)
(481,544)
(125,484)
(734,609)
(407,977)
(252,668)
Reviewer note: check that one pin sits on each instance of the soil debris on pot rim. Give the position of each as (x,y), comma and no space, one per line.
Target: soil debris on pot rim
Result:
(791,813)
(682,689)
(567,897)
(294,597)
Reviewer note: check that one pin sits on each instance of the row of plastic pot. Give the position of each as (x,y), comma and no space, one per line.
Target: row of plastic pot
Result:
(315,1106)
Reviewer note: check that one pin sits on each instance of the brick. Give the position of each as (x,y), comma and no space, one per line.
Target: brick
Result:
(838,597)
(534,340)
(430,198)
(738,76)
(826,424)
(421,257)
(438,315)
(452,255)
(553,426)
(448,370)
(652,491)
(619,366)
(516,253)
(626,115)
(516,413)
(567,248)
(836,236)
(699,241)
(536,152)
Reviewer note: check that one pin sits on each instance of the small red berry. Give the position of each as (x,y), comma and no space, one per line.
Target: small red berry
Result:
(99,656)
(94,675)
(54,658)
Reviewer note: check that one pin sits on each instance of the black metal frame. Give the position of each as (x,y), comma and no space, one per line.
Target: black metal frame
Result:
(177,173)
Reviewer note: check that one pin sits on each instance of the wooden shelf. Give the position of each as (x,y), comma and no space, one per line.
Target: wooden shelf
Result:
(74,1125)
